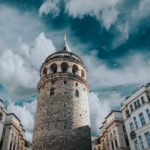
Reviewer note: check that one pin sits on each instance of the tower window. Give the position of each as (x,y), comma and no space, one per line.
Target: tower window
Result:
(52,91)
(76,93)
(53,68)
(53,82)
(1,116)
(64,67)
(82,73)
(65,82)
(76,84)
(45,71)
(75,69)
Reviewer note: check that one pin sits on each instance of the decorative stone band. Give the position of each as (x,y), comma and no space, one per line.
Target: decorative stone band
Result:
(58,75)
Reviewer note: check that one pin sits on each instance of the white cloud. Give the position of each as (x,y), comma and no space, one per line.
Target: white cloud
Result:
(50,6)
(42,48)
(37,52)
(131,21)
(134,69)
(141,11)
(29,136)
(121,14)
(21,69)
(19,24)
(104,12)
(98,110)
(20,60)
(15,73)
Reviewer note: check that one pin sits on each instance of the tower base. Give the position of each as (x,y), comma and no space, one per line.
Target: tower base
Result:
(75,139)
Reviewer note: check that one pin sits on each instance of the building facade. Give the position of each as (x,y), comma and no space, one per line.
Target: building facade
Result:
(62,117)
(12,132)
(136,114)
(3,113)
(113,135)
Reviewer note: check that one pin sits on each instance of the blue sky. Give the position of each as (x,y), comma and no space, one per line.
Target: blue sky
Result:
(112,38)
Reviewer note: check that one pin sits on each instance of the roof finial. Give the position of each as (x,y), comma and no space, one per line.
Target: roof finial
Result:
(66,47)
(65,38)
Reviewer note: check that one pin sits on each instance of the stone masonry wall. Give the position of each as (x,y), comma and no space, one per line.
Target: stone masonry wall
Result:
(62,119)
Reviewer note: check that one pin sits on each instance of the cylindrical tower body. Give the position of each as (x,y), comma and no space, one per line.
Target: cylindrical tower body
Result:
(62,116)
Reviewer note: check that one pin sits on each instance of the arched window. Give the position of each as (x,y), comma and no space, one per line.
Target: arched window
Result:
(76,93)
(1,116)
(52,91)
(45,71)
(75,69)
(64,67)
(10,146)
(82,74)
(53,68)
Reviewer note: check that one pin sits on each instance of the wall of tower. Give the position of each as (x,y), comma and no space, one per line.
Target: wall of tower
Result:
(62,118)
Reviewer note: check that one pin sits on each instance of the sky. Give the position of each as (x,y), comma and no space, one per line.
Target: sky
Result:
(111,37)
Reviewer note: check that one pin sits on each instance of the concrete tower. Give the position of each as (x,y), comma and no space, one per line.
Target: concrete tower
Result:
(62,116)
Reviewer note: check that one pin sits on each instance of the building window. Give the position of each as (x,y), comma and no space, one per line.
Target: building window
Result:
(52,91)
(138,103)
(141,142)
(76,93)
(123,128)
(14,147)
(127,141)
(131,126)
(65,82)
(135,122)
(1,116)
(148,113)
(147,135)
(53,82)
(127,113)
(148,97)
(10,146)
(112,144)
(131,108)
(75,69)
(135,105)
(45,71)
(64,67)
(136,145)
(142,119)
(142,100)
(116,143)
(53,68)
(76,84)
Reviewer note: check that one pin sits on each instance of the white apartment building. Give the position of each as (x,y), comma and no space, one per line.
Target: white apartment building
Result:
(112,133)
(136,114)
(11,131)
(3,113)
